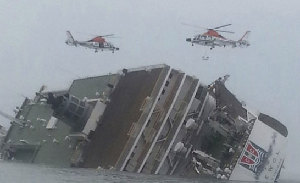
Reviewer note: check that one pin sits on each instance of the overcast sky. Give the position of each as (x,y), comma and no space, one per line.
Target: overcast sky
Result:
(265,75)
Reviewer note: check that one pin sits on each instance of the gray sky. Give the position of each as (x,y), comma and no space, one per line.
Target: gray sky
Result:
(265,75)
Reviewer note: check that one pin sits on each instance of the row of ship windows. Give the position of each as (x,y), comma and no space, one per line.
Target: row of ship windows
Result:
(162,93)
(149,121)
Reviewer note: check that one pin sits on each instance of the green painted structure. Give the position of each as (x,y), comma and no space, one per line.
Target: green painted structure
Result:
(33,142)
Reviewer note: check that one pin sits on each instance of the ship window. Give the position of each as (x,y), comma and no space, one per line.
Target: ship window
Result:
(82,103)
(143,167)
(170,76)
(163,92)
(72,107)
(126,164)
(80,111)
(148,123)
(132,154)
(75,100)
(167,83)
(110,85)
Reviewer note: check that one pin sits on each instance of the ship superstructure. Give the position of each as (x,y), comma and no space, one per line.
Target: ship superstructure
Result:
(153,120)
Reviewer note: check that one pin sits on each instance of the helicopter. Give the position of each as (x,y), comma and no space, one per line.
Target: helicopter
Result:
(212,38)
(97,43)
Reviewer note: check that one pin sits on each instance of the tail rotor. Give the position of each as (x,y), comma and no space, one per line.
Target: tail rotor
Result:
(70,41)
(243,42)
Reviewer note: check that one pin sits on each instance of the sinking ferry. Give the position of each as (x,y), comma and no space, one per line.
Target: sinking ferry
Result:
(151,120)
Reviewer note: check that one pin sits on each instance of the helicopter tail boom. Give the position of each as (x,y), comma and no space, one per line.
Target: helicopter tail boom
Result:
(245,36)
(243,42)
(70,41)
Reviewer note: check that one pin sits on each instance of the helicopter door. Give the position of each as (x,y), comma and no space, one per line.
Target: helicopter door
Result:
(96,44)
(101,45)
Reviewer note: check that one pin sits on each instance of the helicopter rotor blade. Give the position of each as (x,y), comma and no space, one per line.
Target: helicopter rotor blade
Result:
(225,31)
(195,26)
(222,26)
(108,35)
(94,35)
(115,37)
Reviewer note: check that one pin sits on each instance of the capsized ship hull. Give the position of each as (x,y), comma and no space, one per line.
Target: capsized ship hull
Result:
(153,120)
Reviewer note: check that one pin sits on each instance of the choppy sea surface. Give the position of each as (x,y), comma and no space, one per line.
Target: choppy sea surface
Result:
(11,172)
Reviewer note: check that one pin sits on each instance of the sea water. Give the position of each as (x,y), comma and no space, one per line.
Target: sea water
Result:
(12,172)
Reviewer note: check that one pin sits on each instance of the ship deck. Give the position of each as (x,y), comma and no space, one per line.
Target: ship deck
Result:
(112,135)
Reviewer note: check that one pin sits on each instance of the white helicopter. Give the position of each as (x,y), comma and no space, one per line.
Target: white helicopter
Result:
(97,43)
(212,38)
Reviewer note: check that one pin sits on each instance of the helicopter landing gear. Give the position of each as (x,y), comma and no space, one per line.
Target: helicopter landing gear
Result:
(192,44)
(96,50)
